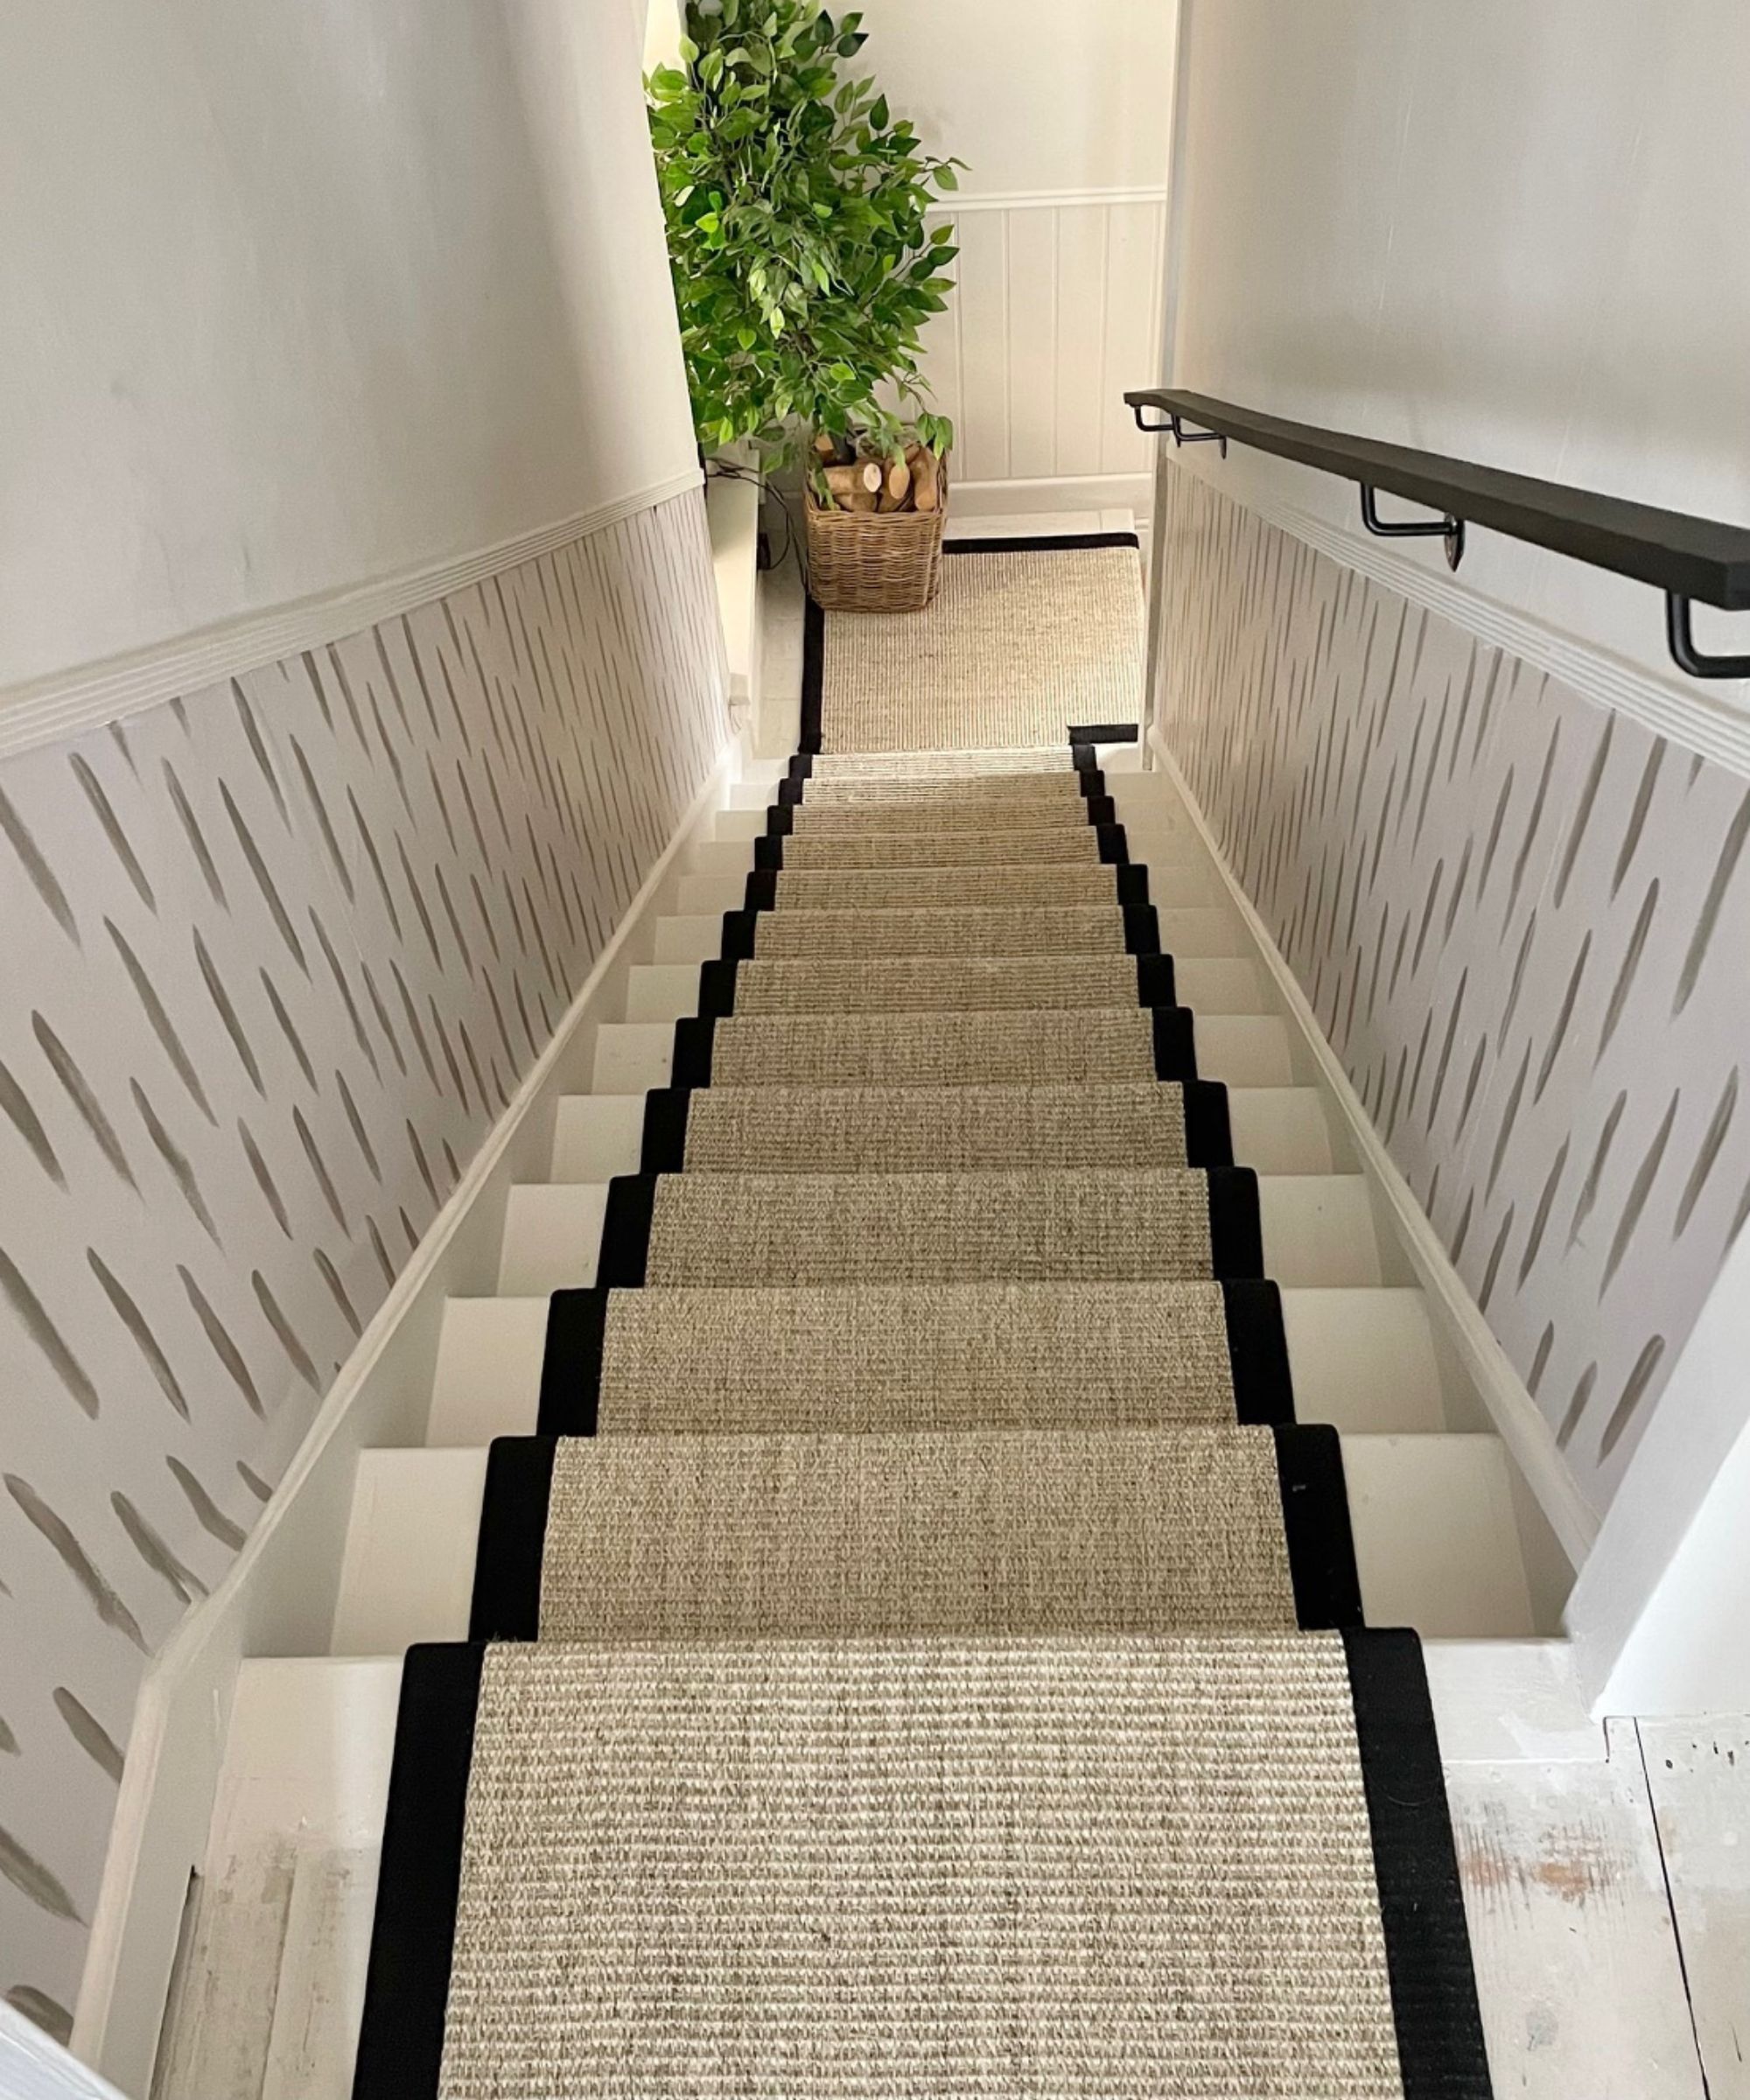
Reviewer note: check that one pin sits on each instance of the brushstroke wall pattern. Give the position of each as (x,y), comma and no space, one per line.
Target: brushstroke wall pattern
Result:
(1523,922)
(276,955)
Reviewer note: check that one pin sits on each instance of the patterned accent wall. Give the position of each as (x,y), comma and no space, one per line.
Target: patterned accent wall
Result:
(275,957)
(1524,922)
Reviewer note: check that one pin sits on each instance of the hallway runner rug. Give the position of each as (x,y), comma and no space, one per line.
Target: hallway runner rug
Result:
(1029,642)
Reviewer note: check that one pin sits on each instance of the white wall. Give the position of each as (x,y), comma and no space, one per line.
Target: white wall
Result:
(301,296)
(1060,115)
(1514,233)
(1517,234)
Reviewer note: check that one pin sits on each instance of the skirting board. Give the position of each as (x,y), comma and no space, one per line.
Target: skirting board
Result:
(1134,493)
(1515,1415)
(278,1597)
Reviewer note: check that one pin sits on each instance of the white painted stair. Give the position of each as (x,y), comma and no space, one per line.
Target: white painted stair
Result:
(272,1968)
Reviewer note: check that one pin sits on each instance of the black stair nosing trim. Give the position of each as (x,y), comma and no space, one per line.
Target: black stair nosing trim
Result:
(1315,1521)
(1441,2047)
(506,1604)
(1132,880)
(694,1040)
(571,1365)
(624,1255)
(1111,849)
(413,1934)
(780,817)
(1105,733)
(1208,1134)
(801,766)
(1235,1232)
(1155,981)
(761,893)
(740,929)
(663,1149)
(717,987)
(1257,1352)
(1043,543)
(813,672)
(1142,929)
(1175,1043)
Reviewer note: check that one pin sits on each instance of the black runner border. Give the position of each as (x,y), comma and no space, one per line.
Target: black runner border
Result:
(413,1934)
(1441,2052)
(511,1540)
(1258,1352)
(1236,1230)
(571,1359)
(1315,1521)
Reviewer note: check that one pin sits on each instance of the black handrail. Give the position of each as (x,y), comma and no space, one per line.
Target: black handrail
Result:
(1688,558)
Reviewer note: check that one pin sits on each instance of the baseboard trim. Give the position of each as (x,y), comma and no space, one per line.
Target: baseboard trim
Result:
(1134,493)
(1514,1414)
(45,711)
(279,1595)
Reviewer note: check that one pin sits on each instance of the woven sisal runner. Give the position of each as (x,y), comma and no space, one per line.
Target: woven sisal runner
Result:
(858,1357)
(933,984)
(997,1531)
(1019,1048)
(916,1129)
(951,889)
(1021,645)
(1037,1225)
(1041,1869)
(1052,930)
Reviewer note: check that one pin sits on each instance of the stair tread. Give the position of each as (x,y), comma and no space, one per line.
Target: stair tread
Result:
(938,1850)
(1036,1224)
(864,1356)
(819,1534)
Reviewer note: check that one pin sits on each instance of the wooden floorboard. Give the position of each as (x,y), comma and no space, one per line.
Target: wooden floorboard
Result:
(1578,1965)
(1698,1775)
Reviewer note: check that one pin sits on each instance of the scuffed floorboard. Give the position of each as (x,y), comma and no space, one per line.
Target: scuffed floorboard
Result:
(1578,1964)
(1699,1775)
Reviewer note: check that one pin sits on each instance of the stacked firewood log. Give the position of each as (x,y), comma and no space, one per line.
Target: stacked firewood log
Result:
(867,481)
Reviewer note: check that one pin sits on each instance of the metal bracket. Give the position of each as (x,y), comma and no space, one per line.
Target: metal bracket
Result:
(1173,427)
(1449,528)
(1684,651)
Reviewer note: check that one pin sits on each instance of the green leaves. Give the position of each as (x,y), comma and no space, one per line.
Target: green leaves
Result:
(802,262)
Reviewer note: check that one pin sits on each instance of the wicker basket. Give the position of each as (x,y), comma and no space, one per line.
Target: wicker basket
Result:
(862,561)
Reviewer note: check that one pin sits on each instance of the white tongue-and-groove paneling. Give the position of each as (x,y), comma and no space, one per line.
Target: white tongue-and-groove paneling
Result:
(1056,312)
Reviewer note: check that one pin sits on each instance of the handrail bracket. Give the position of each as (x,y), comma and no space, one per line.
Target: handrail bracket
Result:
(1174,428)
(1449,528)
(1684,653)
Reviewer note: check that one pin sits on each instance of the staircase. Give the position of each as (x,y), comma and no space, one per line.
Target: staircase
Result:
(951,1411)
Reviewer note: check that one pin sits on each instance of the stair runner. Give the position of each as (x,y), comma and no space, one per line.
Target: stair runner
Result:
(920,1653)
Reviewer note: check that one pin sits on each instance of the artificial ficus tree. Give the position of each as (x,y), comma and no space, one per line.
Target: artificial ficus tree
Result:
(803,265)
